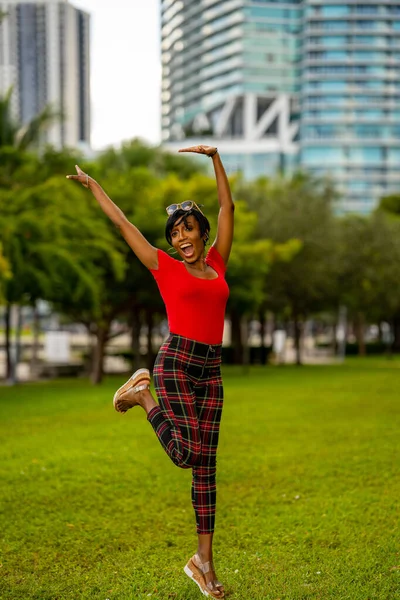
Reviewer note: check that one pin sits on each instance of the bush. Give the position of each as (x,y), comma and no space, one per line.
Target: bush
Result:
(372,348)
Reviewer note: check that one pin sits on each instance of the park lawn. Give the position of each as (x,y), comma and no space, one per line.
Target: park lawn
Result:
(308,496)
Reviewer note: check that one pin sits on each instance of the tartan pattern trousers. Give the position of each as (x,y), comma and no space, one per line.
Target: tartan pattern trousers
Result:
(187,378)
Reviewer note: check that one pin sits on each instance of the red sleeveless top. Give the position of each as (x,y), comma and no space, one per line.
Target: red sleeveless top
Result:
(195,307)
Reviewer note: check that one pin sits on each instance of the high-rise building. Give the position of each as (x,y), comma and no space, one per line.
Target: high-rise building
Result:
(282,84)
(231,68)
(44,55)
(350,117)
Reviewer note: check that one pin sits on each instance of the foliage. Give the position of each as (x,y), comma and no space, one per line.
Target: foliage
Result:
(23,136)
(135,154)
(5,272)
(251,260)
(369,280)
(390,204)
(299,208)
(49,244)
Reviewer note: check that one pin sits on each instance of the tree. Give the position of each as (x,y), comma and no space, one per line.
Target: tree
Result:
(58,250)
(249,264)
(136,153)
(391,206)
(15,140)
(23,136)
(298,208)
(5,272)
(369,282)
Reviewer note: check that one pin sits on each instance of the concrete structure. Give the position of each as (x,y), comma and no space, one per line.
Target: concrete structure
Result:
(44,55)
(282,84)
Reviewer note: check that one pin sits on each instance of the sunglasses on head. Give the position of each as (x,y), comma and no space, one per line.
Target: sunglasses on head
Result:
(186,206)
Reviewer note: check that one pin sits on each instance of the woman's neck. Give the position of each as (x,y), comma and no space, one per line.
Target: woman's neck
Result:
(199,265)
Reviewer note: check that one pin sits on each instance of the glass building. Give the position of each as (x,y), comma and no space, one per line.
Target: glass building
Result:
(285,84)
(350,97)
(44,56)
(224,65)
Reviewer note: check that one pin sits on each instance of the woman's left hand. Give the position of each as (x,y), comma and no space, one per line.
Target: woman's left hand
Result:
(207,150)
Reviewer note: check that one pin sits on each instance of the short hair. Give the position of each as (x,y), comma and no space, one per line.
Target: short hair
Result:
(182,215)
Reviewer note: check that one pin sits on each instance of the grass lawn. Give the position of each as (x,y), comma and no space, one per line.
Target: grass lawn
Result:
(308,496)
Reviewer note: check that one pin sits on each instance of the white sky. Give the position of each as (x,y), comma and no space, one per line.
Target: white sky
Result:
(125,70)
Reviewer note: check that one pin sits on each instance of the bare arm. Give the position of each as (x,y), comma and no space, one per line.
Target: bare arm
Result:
(224,237)
(145,252)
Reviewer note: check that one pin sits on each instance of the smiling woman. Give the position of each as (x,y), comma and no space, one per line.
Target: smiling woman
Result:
(187,371)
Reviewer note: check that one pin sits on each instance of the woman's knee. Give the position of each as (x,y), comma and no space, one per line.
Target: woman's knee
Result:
(189,460)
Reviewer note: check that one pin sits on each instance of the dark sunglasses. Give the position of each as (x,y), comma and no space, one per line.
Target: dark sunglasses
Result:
(187,206)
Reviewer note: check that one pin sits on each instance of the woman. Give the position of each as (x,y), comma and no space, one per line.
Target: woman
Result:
(187,373)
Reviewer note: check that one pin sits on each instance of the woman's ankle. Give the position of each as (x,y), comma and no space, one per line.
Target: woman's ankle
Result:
(204,557)
(147,401)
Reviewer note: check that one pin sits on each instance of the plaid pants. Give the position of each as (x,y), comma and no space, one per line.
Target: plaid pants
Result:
(187,377)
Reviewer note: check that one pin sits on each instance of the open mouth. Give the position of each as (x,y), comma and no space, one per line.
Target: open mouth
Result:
(188,250)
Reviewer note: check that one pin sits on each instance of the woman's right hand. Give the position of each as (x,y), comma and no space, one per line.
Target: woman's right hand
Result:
(82,177)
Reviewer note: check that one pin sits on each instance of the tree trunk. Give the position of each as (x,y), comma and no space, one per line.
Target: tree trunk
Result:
(396,334)
(98,355)
(335,336)
(12,324)
(7,319)
(263,330)
(135,338)
(244,328)
(297,338)
(359,333)
(236,336)
(150,351)
(18,331)
(35,340)
(380,332)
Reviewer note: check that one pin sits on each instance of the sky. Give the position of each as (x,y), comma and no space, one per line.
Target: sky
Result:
(125,70)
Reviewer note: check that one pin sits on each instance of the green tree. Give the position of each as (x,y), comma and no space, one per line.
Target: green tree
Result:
(298,208)
(5,272)
(57,250)
(136,153)
(23,136)
(391,206)
(369,284)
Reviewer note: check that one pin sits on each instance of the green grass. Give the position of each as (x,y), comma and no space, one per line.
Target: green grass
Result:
(308,496)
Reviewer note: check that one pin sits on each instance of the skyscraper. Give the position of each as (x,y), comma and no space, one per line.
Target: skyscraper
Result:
(44,55)
(350,117)
(285,84)
(230,68)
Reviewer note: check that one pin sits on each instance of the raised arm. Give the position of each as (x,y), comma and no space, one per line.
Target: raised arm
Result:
(224,237)
(145,252)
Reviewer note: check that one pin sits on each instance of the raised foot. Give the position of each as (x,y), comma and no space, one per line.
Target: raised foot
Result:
(129,394)
(131,398)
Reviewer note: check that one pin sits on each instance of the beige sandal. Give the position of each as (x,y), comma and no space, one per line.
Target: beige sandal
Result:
(140,380)
(197,572)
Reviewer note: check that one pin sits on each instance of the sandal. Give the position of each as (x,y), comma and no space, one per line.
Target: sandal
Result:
(140,380)
(197,572)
